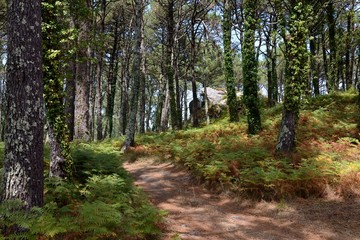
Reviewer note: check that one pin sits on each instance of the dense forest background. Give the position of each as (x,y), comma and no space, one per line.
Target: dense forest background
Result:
(114,61)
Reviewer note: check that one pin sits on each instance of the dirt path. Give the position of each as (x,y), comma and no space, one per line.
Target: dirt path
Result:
(195,213)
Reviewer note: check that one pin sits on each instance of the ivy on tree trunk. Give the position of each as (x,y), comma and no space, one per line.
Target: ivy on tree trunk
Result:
(229,68)
(297,67)
(250,68)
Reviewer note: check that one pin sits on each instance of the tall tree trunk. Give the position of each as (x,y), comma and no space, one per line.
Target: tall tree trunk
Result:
(125,79)
(23,162)
(206,104)
(169,64)
(60,159)
(178,94)
(194,111)
(186,109)
(112,78)
(325,60)
(165,110)
(333,80)
(149,110)
(69,99)
(82,85)
(270,101)
(98,98)
(124,105)
(274,77)
(142,105)
(229,69)
(92,96)
(314,74)
(99,75)
(349,50)
(296,76)
(130,130)
(250,70)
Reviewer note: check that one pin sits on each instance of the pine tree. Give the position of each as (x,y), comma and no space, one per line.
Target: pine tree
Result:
(23,163)
(170,25)
(130,130)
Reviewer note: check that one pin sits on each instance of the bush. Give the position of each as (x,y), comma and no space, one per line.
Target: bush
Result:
(100,203)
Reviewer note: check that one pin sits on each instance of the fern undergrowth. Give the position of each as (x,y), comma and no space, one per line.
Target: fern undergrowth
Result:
(99,203)
(224,156)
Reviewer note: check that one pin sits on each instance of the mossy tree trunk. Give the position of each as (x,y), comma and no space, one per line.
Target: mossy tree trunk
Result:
(53,55)
(229,68)
(296,74)
(23,163)
(250,68)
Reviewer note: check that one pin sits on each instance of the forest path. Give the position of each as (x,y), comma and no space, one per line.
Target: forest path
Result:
(195,213)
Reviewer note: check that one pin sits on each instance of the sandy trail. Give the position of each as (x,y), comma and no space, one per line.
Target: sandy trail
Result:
(195,213)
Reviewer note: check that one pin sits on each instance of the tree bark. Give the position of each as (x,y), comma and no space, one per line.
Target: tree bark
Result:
(169,63)
(142,104)
(130,130)
(112,79)
(99,75)
(69,98)
(314,74)
(23,163)
(57,160)
(165,110)
(82,94)
(332,78)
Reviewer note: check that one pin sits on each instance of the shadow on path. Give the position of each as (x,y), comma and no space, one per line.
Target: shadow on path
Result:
(195,213)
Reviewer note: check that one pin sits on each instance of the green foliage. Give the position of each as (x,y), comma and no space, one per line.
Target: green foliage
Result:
(224,156)
(296,56)
(92,159)
(250,68)
(229,68)
(103,204)
(55,35)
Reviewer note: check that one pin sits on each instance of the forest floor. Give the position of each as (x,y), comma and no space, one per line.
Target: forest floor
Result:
(193,212)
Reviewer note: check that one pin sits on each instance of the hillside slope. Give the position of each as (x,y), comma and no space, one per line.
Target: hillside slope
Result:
(327,160)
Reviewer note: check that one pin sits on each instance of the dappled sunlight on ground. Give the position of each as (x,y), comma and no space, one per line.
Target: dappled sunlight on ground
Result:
(195,213)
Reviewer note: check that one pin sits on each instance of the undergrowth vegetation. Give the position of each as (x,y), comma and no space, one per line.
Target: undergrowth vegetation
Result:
(327,159)
(99,203)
